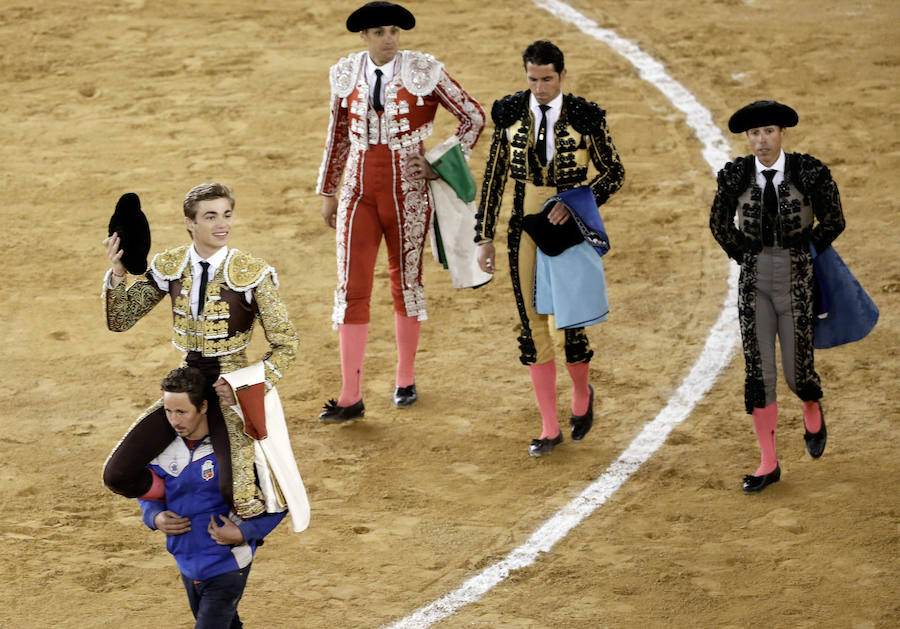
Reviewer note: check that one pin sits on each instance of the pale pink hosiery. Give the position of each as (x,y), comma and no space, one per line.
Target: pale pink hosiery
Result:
(543,379)
(764,420)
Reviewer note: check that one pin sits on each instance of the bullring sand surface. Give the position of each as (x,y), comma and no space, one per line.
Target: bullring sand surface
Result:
(108,97)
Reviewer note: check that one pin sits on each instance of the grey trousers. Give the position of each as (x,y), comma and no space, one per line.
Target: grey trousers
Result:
(774,318)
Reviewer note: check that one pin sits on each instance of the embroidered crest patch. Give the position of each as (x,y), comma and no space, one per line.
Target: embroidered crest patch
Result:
(207,471)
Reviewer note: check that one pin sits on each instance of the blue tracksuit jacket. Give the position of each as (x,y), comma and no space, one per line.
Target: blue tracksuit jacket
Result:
(192,491)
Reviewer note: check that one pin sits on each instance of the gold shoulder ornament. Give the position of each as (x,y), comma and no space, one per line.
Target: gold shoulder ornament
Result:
(243,272)
(169,265)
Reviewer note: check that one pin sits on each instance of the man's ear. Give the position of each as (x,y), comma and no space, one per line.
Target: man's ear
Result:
(204,407)
(562,75)
(188,223)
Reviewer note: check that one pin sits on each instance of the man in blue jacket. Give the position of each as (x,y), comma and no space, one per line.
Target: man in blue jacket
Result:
(212,546)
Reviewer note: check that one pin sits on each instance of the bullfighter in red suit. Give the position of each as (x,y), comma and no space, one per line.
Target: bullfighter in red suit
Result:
(383,103)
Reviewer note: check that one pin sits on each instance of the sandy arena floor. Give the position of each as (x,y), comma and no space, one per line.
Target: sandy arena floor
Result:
(112,96)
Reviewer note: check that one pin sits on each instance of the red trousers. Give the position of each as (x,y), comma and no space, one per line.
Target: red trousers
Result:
(382,203)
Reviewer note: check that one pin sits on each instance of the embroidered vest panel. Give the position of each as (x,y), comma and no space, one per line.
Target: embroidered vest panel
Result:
(403,123)
(567,169)
(793,222)
(224,327)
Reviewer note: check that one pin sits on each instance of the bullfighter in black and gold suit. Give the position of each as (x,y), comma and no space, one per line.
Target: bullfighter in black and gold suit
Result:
(213,331)
(546,142)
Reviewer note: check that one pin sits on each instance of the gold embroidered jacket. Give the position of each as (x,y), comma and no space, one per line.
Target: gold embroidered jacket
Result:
(225,327)
(582,139)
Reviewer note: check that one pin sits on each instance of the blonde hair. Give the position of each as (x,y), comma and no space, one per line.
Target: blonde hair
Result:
(203,192)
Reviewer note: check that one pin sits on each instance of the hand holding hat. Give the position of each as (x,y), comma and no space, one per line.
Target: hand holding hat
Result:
(132,231)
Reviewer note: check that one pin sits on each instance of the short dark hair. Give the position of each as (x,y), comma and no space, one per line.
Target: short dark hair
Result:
(543,52)
(188,380)
(203,192)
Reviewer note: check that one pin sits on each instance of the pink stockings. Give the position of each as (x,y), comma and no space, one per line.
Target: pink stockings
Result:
(764,420)
(581,391)
(543,379)
(812,417)
(407,329)
(353,351)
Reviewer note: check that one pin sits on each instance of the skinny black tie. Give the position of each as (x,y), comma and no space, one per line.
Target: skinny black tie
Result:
(376,97)
(204,279)
(770,209)
(541,143)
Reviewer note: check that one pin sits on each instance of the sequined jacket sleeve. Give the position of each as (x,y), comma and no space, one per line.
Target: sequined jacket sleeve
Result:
(732,180)
(610,172)
(125,306)
(814,178)
(496,172)
(337,147)
(465,108)
(279,331)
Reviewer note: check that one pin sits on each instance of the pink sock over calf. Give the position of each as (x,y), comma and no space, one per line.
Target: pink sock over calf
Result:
(543,379)
(581,392)
(812,417)
(765,420)
(407,329)
(353,338)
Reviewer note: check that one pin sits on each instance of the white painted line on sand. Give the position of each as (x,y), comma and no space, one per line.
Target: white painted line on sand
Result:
(717,352)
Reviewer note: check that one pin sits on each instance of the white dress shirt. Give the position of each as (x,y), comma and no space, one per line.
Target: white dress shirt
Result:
(215,261)
(778,167)
(552,116)
(387,75)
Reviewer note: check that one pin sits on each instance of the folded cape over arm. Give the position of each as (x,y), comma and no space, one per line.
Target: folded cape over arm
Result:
(276,468)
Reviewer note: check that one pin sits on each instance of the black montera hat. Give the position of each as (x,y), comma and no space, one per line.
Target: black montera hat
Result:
(760,114)
(374,14)
(129,222)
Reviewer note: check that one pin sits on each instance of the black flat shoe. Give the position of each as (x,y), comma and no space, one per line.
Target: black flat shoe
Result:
(405,396)
(540,447)
(754,484)
(815,442)
(581,424)
(334,414)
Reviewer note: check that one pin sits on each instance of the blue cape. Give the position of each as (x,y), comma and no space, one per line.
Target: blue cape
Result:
(845,312)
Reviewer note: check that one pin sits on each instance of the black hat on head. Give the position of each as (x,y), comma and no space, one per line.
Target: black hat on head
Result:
(761,114)
(374,14)
(129,222)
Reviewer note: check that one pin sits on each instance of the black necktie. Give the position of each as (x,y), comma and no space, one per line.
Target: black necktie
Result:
(770,209)
(376,97)
(541,143)
(204,278)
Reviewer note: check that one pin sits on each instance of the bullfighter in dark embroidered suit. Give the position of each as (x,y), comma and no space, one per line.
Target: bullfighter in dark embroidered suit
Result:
(545,141)
(383,103)
(769,207)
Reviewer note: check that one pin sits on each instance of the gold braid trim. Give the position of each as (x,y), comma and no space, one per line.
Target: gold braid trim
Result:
(279,331)
(169,265)
(125,306)
(243,272)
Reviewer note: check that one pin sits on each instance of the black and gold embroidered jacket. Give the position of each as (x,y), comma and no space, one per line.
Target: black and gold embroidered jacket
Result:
(581,139)
(809,210)
(807,192)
